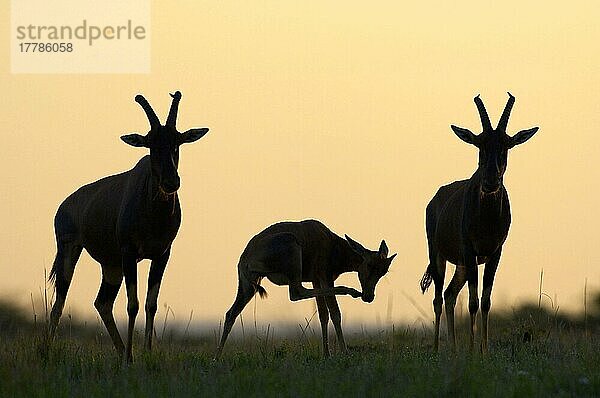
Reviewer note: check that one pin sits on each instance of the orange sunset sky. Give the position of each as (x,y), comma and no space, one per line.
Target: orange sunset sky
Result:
(338,111)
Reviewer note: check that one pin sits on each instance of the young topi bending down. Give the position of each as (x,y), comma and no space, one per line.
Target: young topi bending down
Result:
(289,253)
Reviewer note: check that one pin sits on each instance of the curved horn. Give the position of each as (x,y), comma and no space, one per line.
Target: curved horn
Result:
(483,115)
(152,118)
(506,114)
(172,118)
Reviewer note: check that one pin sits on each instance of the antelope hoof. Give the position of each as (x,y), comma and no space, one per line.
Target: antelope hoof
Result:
(148,346)
(127,359)
(483,349)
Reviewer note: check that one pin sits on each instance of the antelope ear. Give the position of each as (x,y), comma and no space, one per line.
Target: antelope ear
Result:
(192,135)
(354,245)
(522,136)
(464,134)
(391,258)
(383,249)
(135,139)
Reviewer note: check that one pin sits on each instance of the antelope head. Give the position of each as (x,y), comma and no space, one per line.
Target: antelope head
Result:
(163,142)
(493,145)
(374,265)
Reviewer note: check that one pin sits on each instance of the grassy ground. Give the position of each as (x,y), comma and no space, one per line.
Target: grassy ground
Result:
(533,353)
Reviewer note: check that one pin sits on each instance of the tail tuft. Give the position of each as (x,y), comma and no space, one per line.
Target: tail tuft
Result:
(260,290)
(55,270)
(426,279)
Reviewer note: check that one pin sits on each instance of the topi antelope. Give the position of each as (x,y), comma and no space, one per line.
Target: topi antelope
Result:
(121,220)
(289,253)
(467,223)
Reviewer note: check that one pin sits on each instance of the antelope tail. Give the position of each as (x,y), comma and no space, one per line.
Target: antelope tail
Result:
(260,290)
(57,269)
(427,278)
(57,275)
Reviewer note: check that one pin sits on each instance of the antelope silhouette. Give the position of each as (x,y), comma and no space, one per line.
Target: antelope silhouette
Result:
(467,223)
(122,219)
(289,253)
